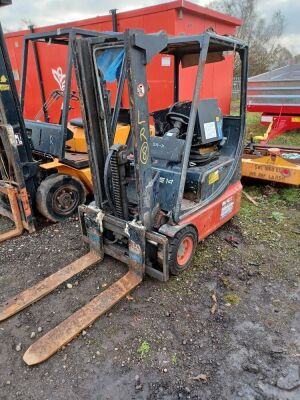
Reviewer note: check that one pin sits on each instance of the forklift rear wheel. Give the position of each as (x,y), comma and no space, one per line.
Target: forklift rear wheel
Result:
(182,248)
(59,196)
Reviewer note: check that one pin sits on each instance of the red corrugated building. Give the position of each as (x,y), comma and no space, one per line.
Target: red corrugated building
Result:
(176,17)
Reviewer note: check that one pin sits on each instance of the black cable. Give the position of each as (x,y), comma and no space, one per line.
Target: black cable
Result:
(106,182)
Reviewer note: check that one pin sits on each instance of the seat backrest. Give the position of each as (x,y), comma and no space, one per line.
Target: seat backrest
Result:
(46,137)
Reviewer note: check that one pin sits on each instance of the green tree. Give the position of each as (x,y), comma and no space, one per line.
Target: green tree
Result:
(262,37)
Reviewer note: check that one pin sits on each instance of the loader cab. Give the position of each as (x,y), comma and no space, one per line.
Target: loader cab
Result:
(195,153)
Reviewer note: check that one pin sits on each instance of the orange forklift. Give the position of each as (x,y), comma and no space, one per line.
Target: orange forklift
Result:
(155,200)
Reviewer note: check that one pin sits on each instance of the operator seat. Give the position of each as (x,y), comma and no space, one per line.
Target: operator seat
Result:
(78,122)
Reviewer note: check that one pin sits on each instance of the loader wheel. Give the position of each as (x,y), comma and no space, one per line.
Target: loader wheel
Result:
(182,248)
(59,196)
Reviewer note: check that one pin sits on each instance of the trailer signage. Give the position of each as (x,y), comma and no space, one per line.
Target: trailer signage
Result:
(60,77)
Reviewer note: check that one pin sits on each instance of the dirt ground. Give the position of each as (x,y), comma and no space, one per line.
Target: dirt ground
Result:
(164,341)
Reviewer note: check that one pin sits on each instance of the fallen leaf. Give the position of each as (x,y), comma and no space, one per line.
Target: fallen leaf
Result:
(214,308)
(215,303)
(234,241)
(129,297)
(201,377)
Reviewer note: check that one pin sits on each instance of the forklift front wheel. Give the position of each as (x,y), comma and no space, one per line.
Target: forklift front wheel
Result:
(182,248)
(59,196)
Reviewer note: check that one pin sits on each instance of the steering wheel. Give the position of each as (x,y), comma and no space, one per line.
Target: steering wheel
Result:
(175,116)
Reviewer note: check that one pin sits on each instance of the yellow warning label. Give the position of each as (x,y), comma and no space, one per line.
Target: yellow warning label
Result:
(213,177)
(3,79)
(3,88)
(296,119)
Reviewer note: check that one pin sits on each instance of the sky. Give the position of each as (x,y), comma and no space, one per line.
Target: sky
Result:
(47,12)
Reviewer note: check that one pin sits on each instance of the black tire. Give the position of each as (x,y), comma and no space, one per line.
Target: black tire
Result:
(59,196)
(186,234)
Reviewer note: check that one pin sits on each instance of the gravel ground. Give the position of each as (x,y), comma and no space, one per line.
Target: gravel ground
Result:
(229,328)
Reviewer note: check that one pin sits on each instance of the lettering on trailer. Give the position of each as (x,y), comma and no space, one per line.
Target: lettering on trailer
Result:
(270,172)
(278,177)
(60,77)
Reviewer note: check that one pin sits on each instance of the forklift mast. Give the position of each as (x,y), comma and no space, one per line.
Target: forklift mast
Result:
(140,49)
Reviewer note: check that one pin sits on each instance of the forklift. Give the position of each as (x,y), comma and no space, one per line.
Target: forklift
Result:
(43,164)
(50,155)
(155,201)
(17,168)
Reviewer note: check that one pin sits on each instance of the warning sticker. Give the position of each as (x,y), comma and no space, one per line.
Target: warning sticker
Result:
(210,130)
(213,177)
(19,141)
(227,207)
(140,90)
(295,119)
(165,61)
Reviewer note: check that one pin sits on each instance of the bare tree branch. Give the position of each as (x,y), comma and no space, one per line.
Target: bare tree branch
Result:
(263,38)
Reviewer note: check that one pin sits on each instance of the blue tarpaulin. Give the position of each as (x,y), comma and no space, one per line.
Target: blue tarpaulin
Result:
(109,62)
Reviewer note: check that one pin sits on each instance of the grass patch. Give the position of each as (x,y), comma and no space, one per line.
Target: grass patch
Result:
(233,299)
(290,195)
(278,216)
(174,359)
(253,126)
(143,349)
(291,138)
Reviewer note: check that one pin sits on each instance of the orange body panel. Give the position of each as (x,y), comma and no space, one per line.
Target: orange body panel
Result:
(83,174)
(216,213)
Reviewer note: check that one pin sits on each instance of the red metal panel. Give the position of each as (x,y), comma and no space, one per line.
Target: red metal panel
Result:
(216,213)
(280,125)
(269,109)
(173,17)
(217,77)
(160,78)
